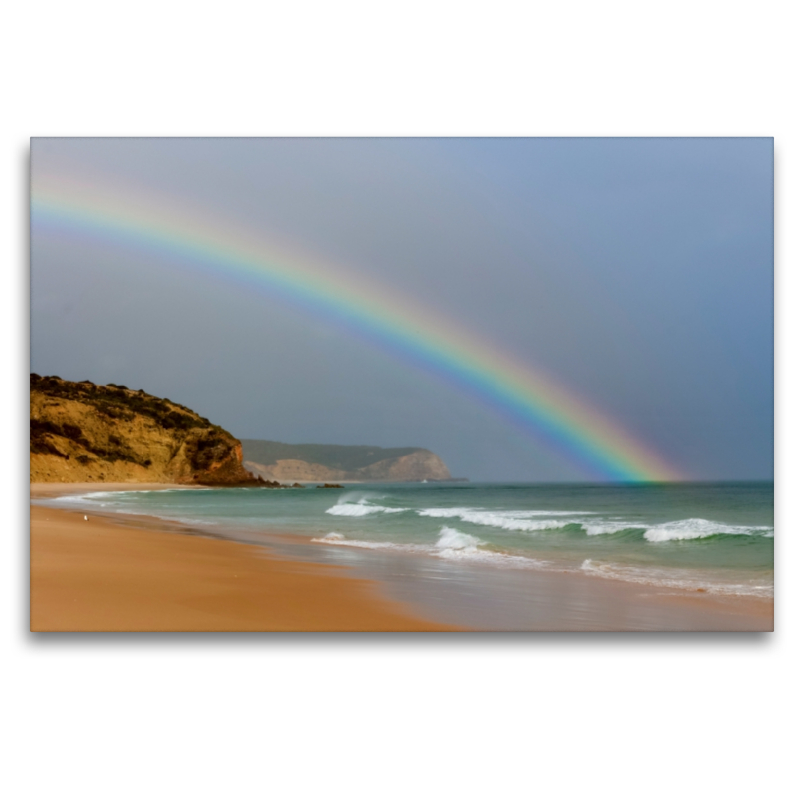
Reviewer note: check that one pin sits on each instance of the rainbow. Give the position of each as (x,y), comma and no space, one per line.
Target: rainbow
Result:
(524,396)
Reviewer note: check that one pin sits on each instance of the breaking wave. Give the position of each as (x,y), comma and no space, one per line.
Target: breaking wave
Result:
(361,508)
(452,539)
(452,545)
(574,521)
(507,520)
(701,529)
(534,521)
(610,527)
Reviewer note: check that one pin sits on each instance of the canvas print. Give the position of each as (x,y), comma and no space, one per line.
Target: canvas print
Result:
(376,384)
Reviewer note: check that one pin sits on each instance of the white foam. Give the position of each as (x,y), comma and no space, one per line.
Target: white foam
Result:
(614,526)
(452,539)
(113,499)
(330,537)
(342,541)
(360,497)
(506,520)
(90,497)
(90,501)
(700,529)
(532,521)
(94,496)
(457,512)
(457,546)
(361,509)
(452,545)
(674,579)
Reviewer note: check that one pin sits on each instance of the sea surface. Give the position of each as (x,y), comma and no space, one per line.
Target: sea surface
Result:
(710,537)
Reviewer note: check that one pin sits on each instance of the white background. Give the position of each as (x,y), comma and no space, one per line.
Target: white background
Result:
(394,716)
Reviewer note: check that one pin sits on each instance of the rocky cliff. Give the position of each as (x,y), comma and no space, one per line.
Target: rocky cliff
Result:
(82,432)
(281,462)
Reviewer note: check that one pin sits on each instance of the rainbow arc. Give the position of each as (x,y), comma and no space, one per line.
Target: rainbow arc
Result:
(525,396)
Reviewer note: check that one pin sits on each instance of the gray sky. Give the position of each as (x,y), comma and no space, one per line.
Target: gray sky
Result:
(637,271)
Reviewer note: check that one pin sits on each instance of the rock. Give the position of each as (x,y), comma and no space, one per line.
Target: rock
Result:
(82,432)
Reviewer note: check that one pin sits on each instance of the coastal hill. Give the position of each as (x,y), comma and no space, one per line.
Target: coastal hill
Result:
(82,433)
(322,462)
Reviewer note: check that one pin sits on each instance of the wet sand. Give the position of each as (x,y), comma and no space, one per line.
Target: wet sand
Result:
(490,598)
(132,573)
(100,575)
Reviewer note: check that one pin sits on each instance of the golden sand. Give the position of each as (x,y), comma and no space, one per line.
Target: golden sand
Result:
(98,575)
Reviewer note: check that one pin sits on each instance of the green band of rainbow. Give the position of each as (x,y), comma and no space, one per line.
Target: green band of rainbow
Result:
(520,394)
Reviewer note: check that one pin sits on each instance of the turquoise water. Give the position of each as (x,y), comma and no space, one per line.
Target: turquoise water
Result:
(715,537)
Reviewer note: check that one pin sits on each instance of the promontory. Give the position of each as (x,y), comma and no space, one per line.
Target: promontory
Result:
(82,432)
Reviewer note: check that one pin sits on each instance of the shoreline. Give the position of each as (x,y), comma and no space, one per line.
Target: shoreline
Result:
(470,599)
(491,598)
(144,574)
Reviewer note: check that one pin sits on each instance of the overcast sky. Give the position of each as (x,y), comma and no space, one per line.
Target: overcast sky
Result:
(636,271)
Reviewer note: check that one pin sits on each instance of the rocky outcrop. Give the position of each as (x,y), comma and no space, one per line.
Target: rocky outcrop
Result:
(82,432)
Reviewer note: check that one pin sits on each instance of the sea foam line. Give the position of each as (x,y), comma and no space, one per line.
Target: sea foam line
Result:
(673,579)
(697,528)
(507,520)
(361,509)
(694,528)
(539,520)
(452,545)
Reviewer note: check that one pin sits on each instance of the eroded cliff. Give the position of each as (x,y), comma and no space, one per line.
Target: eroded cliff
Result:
(83,432)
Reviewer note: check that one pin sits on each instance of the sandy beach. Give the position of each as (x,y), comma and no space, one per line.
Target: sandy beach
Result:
(118,572)
(103,574)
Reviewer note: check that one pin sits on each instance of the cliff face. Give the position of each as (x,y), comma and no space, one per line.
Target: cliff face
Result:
(412,465)
(82,432)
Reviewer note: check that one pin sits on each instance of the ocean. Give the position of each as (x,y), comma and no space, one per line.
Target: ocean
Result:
(475,549)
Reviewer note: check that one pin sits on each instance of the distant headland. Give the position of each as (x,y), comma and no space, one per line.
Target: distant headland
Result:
(328,462)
